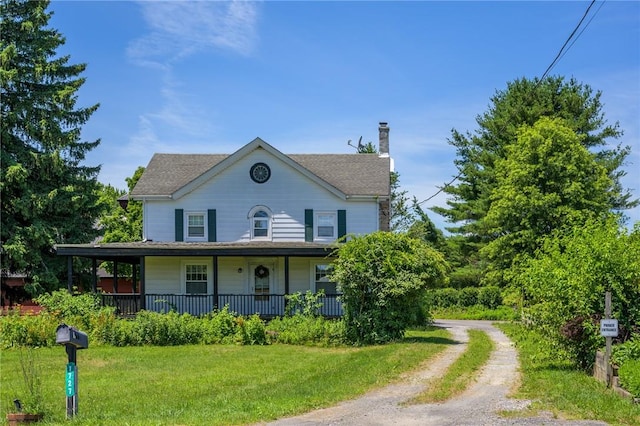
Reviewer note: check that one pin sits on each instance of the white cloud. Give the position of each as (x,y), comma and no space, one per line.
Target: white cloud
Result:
(182,28)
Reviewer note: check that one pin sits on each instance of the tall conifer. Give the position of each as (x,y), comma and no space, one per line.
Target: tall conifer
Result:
(48,195)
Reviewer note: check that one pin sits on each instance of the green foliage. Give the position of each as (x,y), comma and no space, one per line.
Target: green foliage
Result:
(629,350)
(465,276)
(486,297)
(251,331)
(306,330)
(27,330)
(305,305)
(485,156)
(121,224)
(32,397)
(629,375)
(48,195)
(564,287)
(558,387)
(381,276)
(477,312)
(468,296)
(546,181)
(490,297)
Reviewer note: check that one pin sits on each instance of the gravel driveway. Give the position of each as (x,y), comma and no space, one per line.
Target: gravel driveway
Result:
(476,406)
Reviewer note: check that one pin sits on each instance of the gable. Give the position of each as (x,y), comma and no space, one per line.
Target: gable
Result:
(349,175)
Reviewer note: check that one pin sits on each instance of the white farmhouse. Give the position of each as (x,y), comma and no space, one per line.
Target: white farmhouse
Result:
(245,229)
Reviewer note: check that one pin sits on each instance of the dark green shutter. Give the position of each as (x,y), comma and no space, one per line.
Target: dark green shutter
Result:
(342,223)
(179,225)
(211,223)
(308,225)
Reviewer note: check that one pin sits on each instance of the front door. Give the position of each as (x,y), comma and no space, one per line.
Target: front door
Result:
(261,280)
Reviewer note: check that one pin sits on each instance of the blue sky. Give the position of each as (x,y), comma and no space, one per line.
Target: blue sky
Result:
(208,77)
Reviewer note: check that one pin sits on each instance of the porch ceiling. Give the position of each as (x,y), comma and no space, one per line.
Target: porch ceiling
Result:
(131,252)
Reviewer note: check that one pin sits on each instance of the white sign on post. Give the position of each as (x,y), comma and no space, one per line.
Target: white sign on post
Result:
(609,327)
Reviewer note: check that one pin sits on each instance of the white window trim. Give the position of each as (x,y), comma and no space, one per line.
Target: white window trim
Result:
(312,270)
(186,225)
(183,274)
(269,219)
(316,225)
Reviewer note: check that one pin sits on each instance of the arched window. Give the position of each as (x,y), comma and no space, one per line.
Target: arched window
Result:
(260,222)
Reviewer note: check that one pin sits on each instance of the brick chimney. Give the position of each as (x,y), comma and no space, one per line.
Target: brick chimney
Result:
(383,145)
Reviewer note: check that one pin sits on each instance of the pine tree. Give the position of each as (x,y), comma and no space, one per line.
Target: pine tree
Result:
(48,195)
(523,103)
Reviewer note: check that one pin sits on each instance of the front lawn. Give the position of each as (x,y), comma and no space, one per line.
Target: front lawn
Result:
(213,384)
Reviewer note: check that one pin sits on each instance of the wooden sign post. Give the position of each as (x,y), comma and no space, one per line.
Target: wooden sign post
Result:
(608,329)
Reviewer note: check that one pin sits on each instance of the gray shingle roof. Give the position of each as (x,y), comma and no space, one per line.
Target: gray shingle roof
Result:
(352,174)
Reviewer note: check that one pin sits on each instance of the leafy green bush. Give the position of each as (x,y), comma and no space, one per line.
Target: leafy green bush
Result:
(467,276)
(490,297)
(566,283)
(382,275)
(629,350)
(306,305)
(63,304)
(251,331)
(219,326)
(306,330)
(445,297)
(468,296)
(27,330)
(629,375)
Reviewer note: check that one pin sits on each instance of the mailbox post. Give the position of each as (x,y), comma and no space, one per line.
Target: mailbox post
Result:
(73,340)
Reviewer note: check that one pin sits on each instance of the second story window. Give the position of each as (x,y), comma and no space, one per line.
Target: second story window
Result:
(326,225)
(260,222)
(195,226)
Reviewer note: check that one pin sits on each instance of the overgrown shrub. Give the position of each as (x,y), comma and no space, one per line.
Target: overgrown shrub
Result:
(629,375)
(219,326)
(251,330)
(468,296)
(306,330)
(27,330)
(306,305)
(629,350)
(382,275)
(490,297)
(565,286)
(486,297)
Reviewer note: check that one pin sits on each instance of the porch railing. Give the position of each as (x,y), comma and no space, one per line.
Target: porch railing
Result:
(270,305)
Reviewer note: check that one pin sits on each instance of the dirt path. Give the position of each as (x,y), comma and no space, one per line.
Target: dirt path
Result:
(476,406)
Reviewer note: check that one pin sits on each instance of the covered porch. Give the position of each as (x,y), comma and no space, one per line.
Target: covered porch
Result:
(266,298)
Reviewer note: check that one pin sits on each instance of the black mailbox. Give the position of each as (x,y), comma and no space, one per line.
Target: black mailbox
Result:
(66,335)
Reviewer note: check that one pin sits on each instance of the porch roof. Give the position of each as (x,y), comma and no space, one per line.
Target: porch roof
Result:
(131,252)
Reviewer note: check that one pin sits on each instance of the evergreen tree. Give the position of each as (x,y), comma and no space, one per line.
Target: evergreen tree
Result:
(524,102)
(48,195)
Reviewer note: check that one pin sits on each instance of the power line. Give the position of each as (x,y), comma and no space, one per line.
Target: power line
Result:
(559,56)
(560,53)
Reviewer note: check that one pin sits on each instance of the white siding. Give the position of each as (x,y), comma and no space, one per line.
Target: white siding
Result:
(162,275)
(233,194)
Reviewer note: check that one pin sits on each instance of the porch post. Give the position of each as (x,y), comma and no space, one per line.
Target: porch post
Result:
(94,274)
(70,274)
(143,299)
(115,276)
(215,282)
(286,275)
(134,278)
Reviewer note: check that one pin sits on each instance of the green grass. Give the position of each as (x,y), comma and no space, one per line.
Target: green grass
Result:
(462,372)
(559,388)
(214,384)
(502,313)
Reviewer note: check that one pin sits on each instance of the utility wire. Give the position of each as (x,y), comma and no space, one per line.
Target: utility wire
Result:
(559,56)
(561,52)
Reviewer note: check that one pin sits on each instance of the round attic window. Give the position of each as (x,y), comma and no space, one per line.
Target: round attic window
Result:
(260,173)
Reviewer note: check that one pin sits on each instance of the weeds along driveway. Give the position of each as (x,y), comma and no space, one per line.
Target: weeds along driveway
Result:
(478,405)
